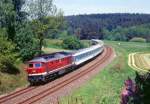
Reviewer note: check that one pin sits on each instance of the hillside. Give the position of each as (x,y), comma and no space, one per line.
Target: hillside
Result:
(91,26)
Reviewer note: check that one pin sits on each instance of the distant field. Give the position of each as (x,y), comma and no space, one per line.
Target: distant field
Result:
(105,87)
(140,61)
(55,45)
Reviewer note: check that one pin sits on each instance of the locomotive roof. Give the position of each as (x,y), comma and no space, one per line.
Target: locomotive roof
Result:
(50,57)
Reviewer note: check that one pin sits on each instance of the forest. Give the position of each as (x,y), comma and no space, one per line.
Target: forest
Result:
(116,26)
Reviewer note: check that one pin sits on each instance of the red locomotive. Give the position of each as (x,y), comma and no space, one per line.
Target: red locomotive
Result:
(41,67)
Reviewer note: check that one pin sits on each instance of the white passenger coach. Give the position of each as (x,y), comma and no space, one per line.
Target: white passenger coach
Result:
(86,54)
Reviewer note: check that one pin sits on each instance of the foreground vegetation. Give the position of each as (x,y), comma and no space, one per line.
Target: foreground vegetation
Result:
(9,82)
(105,88)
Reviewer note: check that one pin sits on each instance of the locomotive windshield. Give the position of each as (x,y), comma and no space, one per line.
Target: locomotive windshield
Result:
(30,65)
(37,65)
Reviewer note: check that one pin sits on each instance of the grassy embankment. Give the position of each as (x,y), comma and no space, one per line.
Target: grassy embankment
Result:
(9,82)
(105,87)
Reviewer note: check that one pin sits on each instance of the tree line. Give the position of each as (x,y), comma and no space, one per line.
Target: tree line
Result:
(96,25)
(139,33)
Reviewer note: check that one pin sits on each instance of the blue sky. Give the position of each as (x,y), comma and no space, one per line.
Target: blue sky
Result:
(73,7)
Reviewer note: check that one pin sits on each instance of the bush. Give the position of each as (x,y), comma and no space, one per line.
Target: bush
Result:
(138,39)
(72,42)
(7,54)
(27,44)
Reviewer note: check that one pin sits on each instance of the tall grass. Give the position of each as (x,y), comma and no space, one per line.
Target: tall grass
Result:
(9,82)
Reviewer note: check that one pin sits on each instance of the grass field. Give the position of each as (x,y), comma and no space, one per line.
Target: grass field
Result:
(105,87)
(139,61)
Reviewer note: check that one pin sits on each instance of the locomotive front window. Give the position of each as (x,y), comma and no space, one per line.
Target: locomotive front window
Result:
(37,65)
(30,65)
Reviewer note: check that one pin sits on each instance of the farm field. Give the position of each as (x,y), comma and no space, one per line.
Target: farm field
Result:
(140,61)
(107,85)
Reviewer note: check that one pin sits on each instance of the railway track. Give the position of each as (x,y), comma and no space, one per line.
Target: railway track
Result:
(15,94)
(50,90)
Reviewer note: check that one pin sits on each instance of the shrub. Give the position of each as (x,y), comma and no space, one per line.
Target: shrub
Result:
(7,54)
(72,42)
(26,43)
(138,39)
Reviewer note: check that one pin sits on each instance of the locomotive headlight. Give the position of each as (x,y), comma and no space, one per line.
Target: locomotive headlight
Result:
(34,71)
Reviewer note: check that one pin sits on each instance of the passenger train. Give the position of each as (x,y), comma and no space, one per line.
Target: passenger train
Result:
(42,68)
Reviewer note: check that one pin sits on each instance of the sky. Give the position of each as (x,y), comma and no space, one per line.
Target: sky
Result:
(75,7)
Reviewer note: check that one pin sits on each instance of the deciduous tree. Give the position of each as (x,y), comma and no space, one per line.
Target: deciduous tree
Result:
(46,18)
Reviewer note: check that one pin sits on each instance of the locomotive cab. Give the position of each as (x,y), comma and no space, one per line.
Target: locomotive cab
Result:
(36,71)
(37,67)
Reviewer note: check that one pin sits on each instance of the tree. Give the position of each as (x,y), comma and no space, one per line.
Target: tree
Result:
(72,42)
(45,18)
(38,9)
(20,15)
(8,17)
(39,29)
(7,54)
(26,42)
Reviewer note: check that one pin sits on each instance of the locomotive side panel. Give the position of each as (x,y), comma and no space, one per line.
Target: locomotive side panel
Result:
(59,64)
